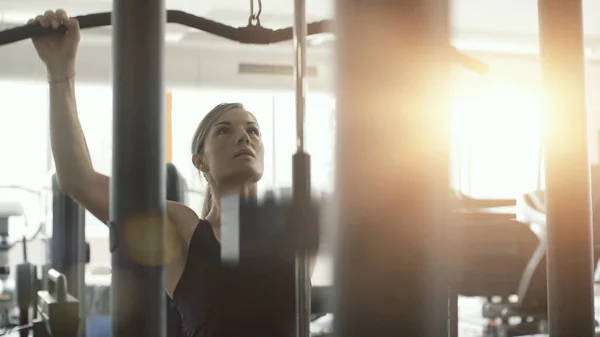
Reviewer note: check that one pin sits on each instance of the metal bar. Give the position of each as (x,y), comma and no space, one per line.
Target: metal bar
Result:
(300,70)
(301,169)
(392,168)
(452,312)
(569,260)
(68,244)
(138,205)
(303,295)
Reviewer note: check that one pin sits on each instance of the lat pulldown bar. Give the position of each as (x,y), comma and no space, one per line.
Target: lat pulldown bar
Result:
(392,168)
(251,34)
(569,261)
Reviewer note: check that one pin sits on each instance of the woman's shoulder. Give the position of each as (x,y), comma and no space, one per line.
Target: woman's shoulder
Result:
(183,219)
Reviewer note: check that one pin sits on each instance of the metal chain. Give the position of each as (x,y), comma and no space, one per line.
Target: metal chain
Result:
(254,19)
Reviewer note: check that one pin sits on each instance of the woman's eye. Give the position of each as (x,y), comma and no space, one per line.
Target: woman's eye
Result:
(222,130)
(254,130)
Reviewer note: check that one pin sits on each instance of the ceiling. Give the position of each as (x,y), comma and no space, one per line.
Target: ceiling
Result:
(479,24)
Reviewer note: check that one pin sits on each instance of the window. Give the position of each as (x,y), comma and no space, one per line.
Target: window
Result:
(94,105)
(24,170)
(95,108)
(496,134)
(319,139)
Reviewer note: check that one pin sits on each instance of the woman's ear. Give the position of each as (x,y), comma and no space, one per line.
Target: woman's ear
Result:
(199,162)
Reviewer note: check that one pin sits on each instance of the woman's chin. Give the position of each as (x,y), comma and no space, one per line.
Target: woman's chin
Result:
(245,175)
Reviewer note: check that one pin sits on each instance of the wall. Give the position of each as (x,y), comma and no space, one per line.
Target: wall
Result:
(184,67)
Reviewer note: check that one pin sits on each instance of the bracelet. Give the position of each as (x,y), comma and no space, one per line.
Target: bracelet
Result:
(60,79)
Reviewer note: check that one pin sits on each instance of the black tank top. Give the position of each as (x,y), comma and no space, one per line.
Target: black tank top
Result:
(191,295)
(196,296)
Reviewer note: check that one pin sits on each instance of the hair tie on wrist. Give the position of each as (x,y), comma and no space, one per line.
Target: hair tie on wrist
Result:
(60,79)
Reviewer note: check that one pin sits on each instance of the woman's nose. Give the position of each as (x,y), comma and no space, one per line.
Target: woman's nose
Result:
(243,137)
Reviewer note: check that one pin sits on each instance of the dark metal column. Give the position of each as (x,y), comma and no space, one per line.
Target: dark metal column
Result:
(68,244)
(138,205)
(570,267)
(301,169)
(392,168)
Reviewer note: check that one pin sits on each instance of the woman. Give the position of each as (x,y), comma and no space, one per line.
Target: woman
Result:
(227,150)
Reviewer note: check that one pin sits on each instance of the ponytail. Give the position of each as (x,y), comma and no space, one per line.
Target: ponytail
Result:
(207,202)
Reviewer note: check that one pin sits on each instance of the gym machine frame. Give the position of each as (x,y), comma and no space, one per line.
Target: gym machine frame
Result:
(254,33)
(390,281)
(567,171)
(137,201)
(395,225)
(57,299)
(69,251)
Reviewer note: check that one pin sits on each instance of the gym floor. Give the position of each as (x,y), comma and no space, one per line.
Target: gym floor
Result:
(471,322)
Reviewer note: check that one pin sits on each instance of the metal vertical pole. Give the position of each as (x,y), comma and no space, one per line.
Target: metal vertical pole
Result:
(301,167)
(393,80)
(452,312)
(569,261)
(68,245)
(138,205)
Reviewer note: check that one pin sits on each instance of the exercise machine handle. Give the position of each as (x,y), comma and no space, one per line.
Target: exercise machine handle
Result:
(251,34)
(60,284)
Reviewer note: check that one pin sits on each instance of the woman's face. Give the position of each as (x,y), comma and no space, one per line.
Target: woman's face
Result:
(233,149)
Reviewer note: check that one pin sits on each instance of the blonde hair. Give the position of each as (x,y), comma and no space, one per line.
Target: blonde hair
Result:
(198,146)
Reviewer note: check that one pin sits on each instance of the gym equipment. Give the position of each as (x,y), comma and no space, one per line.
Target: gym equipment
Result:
(127,197)
(528,284)
(137,201)
(254,33)
(267,237)
(176,187)
(98,297)
(562,214)
(7,210)
(532,298)
(24,274)
(27,285)
(496,248)
(60,312)
(56,311)
(69,250)
(395,240)
(380,278)
(567,171)
(138,304)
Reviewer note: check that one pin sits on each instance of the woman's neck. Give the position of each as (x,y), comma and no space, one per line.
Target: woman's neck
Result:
(214,216)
